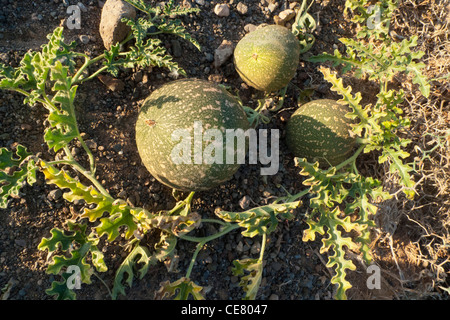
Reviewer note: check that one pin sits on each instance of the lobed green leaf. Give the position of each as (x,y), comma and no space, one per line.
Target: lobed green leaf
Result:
(182,289)
(23,169)
(260,220)
(250,282)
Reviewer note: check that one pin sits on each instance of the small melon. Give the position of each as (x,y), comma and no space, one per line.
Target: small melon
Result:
(179,105)
(320,131)
(267,58)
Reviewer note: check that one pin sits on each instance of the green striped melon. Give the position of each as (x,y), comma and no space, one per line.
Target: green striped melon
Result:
(176,107)
(267,58)
(320,131)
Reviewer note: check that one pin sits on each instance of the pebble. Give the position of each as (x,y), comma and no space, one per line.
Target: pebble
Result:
(286,15)
(222,10)
(223,52)
(54,194)
(112,28)
(249,27)
(244,203)
(82,7)
(209,57)
(91,144)
(200,2)
(240,247)
(272,6)
(242,8)
(84,39)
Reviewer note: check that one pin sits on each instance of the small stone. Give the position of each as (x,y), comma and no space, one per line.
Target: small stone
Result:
(242,8)
(223,52)
(249,27)
(209,57)
(25,127)
(117,147)
(112,28)
(274,296)
(222,10)
(82,7)
(272,6)
(91,144)
(244,203)
(84,39)
(122,194)
(200,2)
(138,76)
(111,83)
(286,15)
(256,248)
(54,194)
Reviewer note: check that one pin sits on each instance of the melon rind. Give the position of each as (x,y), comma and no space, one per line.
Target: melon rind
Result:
(267,58)
(320,131)
(176,105)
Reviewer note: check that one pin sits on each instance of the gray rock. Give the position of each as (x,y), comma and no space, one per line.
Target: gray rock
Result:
(54,194)
(286,15)
(209,57)
(112,29)
(222,10)
(273,6)
(84,39)
(82,7)
(242,8)
(223,52)
(249,27)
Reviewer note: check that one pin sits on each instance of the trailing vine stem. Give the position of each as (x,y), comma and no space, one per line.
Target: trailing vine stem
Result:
(203,240)
(78,167)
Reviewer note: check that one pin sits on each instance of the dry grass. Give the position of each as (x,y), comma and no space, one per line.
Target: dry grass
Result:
(413,242)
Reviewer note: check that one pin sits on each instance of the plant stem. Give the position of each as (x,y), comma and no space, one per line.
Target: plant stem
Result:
(95,74)
(203,240)
(72,162)
(194,257)
(263,247)
(181,204)
(298,195)
(230,227)
(351,159)
(87,63)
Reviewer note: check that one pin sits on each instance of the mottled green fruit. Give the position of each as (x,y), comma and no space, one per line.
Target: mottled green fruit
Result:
(267,58)
(176,106)
(320,131)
